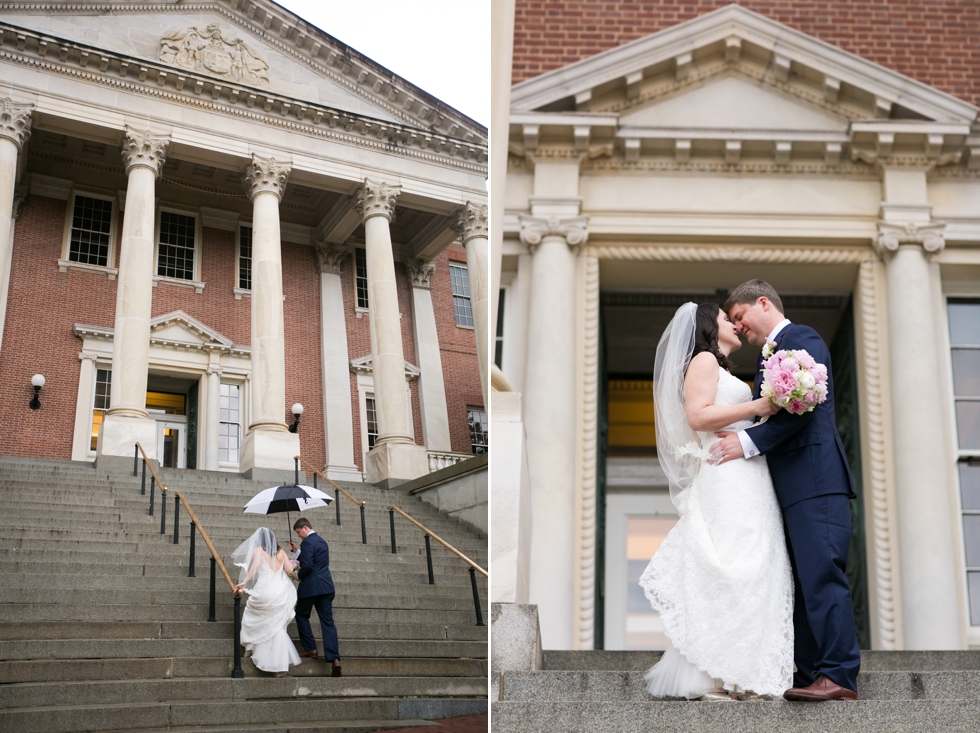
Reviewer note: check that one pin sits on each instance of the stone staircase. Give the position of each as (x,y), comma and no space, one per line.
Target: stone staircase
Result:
(101,629)
(599,691)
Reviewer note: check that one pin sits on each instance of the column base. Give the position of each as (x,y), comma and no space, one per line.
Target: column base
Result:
(344,473)
(118,438)
(268,454)
(400,461)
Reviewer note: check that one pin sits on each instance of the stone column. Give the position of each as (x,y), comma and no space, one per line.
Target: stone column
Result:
(127,421)
(338,421)
(930,601)
(212,414)
(268,445)
(15,129)
(549,418)
(471,225)
(82,438)
(396,456)
(432,388)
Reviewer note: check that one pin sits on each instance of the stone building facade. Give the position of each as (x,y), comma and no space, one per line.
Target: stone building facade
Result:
(665,152)
(210,214)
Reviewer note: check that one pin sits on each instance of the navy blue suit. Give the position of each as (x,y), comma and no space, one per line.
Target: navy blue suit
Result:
(316,589)
(813,485)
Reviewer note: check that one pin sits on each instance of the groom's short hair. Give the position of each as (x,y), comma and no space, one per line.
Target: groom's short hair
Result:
(302,522)
(749,292)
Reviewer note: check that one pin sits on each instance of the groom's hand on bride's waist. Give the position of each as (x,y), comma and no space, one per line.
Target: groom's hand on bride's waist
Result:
(727,449)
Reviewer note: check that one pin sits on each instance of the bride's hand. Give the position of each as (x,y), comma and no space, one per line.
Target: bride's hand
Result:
(764,408)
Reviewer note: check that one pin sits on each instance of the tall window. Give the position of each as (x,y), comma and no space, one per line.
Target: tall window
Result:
(176,256)
(103,380)
(461,295)
(372,422)
(498,351)
(478,429)
(360,277)
(964,337)
(91,224)
(245,258)
(229,426)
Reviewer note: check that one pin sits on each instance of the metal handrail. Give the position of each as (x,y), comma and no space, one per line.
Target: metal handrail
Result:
(146,462)
(328,480)
(207,541)
(428,557)
(360,504)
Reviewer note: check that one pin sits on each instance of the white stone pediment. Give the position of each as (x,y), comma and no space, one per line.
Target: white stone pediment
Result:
(365,365)
(732,103)
(178,327)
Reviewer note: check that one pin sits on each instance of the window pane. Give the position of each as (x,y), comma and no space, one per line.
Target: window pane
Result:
(464,313)
(964,324)
(90,225)
(970,486)
(968,424)
(245,258)
(372,422)
(971,538)
(228,429)
(176,256)
(966,372)
(498,352)
(477,417)
(973,581)
(360,277)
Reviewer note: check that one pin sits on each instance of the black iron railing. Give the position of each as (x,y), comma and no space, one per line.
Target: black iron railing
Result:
(339,490)
(474,568)
(216,563)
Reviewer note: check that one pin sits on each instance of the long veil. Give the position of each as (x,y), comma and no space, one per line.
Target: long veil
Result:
(678,448)
(245,555)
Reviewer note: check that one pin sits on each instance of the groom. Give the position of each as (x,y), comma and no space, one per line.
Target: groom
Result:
(315,589)
(813,486)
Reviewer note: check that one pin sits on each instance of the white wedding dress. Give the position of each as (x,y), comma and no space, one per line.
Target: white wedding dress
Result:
(722,581)
(271,606)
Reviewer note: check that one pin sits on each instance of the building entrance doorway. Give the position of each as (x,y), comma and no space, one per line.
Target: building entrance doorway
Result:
(172,443)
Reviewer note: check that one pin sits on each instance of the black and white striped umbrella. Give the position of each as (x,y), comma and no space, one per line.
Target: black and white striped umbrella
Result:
(287,498)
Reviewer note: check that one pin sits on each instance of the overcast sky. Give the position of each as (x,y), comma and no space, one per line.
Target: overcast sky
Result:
(441,46)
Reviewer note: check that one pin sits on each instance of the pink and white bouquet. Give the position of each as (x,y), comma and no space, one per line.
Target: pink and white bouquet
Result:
(793,380)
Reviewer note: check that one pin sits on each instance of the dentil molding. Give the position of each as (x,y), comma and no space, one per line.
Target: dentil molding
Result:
(376,199)
(420,272)
(140,148)
(534,229)
(470,221)
(891,235)
(15,121)
(330,257)
(265,175)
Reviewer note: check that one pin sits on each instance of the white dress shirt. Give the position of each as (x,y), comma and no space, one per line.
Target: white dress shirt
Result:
(749,449)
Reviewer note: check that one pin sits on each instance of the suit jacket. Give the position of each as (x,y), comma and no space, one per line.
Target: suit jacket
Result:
(314,567)
(805,454)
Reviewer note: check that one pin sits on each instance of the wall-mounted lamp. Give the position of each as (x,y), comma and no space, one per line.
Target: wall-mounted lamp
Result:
(297,411)
(37,381)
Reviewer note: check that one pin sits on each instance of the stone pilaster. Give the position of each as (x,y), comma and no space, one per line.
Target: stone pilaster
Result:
(268,445)
(213,414)
(395,456)
(471,225)
(15,129)
(126,421)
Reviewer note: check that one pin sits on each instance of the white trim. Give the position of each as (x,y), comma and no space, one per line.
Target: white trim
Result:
(64,263)
(240,383)
(195,281)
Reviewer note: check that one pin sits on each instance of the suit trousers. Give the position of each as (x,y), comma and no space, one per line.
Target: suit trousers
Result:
(324,609)
(818,535)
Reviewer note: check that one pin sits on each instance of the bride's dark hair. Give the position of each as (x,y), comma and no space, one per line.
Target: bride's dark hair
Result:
(706,334)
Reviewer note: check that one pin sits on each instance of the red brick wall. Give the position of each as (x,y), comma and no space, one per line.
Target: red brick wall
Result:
(936,42)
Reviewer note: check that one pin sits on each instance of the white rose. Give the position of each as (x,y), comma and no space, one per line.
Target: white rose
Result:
(806,380)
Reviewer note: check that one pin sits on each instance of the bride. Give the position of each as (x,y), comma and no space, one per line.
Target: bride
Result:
(271,602)
(721,580)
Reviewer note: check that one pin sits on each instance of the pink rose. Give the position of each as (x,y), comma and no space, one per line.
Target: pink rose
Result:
(811,397)
(806,361)
(819,372)
(771,363)
(797,407)
(791,364)
(783,383)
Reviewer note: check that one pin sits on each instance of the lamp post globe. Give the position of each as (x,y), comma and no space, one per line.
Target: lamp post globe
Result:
(297,411)
(37,381)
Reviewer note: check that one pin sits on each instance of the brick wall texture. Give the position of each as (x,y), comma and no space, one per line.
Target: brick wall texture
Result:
(44,304)
(936,42)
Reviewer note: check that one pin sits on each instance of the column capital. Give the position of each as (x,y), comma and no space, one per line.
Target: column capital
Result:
(140,148)
(470,221)
(376,199)
(892,234)
(87,356)
(20,196)
(420,272)
(15,121)
(330,257)
(215,370)
(265,175)
(534,229)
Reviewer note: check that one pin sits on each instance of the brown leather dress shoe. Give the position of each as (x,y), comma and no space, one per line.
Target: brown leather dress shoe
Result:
(336,671)
(823,689)
(311,654)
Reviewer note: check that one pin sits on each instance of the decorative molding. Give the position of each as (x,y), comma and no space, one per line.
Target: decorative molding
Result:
(265,175)
(891,235)
(209,52)
(874,400)
(15,122)
(376,199)
(587,510)
(420,272)
(330,257)
(364,366)
(686,165)
(470,221)
(20,196)
(534,229)
(141,148)
(109,272)
(733,254)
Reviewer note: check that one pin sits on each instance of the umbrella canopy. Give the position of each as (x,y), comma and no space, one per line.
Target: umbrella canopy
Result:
(287,498)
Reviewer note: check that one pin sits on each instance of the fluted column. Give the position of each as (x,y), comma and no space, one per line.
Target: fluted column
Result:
(471,225)
(338,422)
(268,444)
(127,421)
(213,413)
(549,417)
(15,129)
(395,456)
(925,514)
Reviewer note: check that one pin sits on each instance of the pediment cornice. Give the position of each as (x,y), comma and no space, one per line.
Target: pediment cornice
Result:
(174,331)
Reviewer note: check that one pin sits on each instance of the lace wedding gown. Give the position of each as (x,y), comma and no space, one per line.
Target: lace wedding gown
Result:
(271,606)
(722,581)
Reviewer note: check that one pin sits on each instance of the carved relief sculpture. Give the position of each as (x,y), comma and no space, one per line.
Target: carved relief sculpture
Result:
(209,52)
